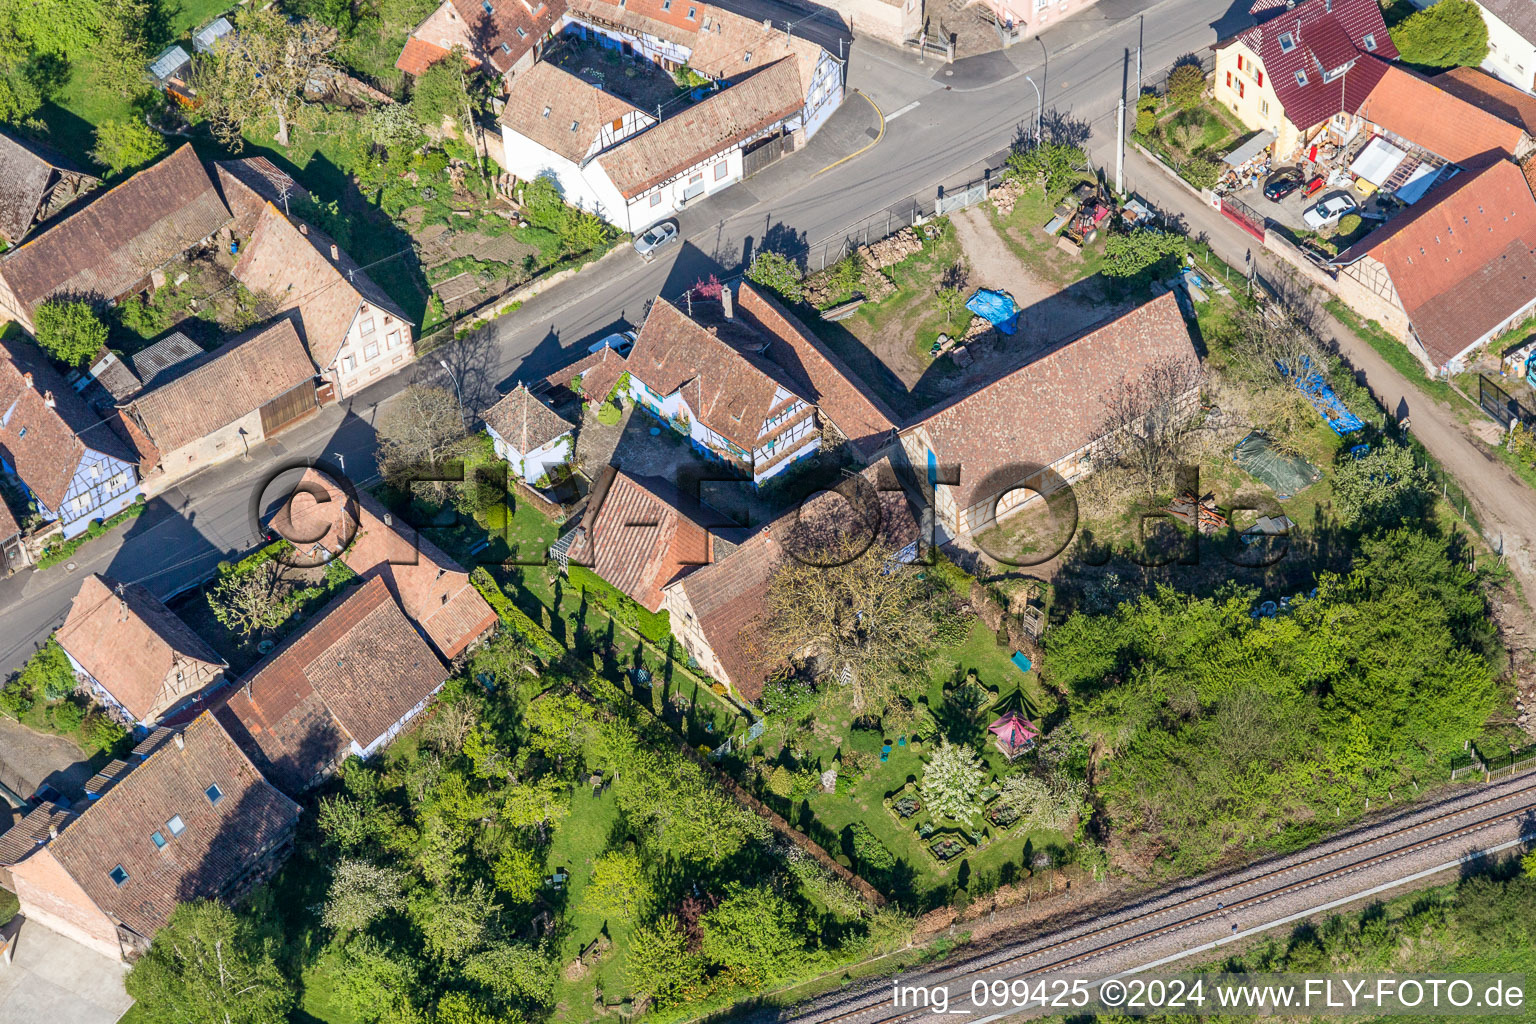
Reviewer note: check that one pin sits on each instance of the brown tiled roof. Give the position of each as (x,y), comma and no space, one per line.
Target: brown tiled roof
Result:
(640,535)
(510,29)
(434,591)
(1519,15)
(559,111)
(419,55)
(129,642)
(1485,92)
(1417,109)
(249,184)
(218,388)
(33,830)
(729,597)
(111,245)
(599,372)
(1326,34)
(730,392)
(8,527)
(1463,258)
(353,672)
(697,133)
(45,445)
(26,171)
(524,421)
(1055,405)
(824,378)
(297,270)
(220,845)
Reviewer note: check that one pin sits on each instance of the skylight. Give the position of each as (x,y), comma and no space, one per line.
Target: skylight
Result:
(214,794)
(1370,41)
(1301,78)
(1287,42)
(118,875)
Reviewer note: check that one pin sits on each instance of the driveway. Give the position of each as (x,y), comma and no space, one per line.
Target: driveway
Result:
(59,981)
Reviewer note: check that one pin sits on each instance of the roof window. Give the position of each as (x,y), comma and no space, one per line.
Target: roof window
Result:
(748,58)
(546,111)
(118,875)
(487,5)
(158,839)
(176,825)
(692,11)
(1287,42)
(521,34)
(505,48)
(214,794)
(574,124)
(1370,41)
(666,5)
(1301,77)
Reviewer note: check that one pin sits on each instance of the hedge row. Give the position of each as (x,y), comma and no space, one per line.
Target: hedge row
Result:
(654,626)
(56,553)
(544,645)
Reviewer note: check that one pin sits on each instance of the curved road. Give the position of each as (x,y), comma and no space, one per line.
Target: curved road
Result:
(1190,921)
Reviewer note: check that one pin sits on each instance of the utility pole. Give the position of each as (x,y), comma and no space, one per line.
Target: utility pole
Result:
(1141,24)
(1120,148)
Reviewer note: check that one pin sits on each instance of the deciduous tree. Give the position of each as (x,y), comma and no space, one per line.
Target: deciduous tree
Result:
(952,781)
(660,965)
(361,893)
(619,887)
(779,274)
(1148,425)
(206,966)
(755,934)
(252,600)
(259,70)
(421,431)
(69,330)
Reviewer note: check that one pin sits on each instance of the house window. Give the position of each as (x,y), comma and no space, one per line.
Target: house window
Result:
(118,482)
(176,825)
(656,199)
(1239,62)
(696,178)
(371,352)
(1287,42)
(722,169)
(349,363)
(1370,41)
(118,875)
(1301,78)
(158,839)
(1264,107)
(393,340)
(214,793)
(95,472)
(1239,90)
(367,326)
(1229,79)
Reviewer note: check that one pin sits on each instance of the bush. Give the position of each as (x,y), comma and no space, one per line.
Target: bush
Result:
(1349,224)
(1201,171)
(779,274)
(1451,33)
(537,637)
(609,414)
(123,145)
(70,331)
(48,672)
(655,627)
(1186,84)
(1141,253)
(870,851)
(1146,122)
(56,553)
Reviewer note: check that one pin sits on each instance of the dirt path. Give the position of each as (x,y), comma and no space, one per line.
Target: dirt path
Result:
(1050,314)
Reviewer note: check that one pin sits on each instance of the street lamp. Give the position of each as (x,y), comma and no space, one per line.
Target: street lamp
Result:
(456,393)
(1039,107)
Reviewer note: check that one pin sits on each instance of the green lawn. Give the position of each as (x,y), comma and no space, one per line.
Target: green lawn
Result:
(1021,231)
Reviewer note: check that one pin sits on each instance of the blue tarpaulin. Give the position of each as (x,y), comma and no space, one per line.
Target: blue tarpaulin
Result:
(1022,661)
(997,308)
(1311,384)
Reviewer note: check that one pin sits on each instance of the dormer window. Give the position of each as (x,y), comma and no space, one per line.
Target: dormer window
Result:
(521,34)
(1370,41)
(546,111)
(1301,78)
(1287,42)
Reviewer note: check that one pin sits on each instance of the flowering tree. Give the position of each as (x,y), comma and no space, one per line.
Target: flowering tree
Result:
(952,782)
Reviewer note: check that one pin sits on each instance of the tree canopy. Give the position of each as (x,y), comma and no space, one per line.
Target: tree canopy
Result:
(69,331)
(207,966)
(1450,33)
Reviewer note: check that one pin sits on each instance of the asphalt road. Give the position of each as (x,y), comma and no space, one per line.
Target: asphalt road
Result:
(946,123)
(1192,921)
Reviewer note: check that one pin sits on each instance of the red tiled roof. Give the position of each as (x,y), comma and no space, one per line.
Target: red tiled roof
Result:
(559,111)
(1327,34)
(131,643)
(641,535)
(824,378)
(1417,109)
(434,591)
(1485,92)
(1463,258)
(728,598)
(696,134)
(219,846)
(730,392)
(419,55)
(110,246)
(509,29)
(599,372)
(1055,405)
(350,675)
(23,838)
(249,184)
(219,387)
(26,173)
(45,445)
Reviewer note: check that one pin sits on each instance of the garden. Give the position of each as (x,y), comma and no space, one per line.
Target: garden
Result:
(1186,128)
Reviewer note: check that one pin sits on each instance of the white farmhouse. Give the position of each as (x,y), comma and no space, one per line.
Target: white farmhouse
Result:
(532,438)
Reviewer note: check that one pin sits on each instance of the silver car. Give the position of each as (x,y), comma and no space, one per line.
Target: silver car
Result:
(621,343)
(656,236)
(1329,211)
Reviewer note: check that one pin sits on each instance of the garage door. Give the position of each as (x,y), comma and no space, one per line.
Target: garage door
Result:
(288,408)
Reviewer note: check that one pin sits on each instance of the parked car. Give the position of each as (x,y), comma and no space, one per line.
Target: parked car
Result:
(621,343)
(1281,184)
(1329,211)
(656,236)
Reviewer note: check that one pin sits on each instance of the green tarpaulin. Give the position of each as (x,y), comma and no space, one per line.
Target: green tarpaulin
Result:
(1284,474)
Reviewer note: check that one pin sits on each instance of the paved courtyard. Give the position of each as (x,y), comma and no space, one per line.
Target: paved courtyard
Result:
(55,980)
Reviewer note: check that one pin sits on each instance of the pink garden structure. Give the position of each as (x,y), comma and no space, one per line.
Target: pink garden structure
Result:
(1013,734)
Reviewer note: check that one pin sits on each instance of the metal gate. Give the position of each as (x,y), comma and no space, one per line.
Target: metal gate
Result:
(762,154)
(1501,405)
(288,408)
(1244,216)
(959,199)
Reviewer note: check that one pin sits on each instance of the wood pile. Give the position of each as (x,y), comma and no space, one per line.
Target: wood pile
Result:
(1201,513)
(889,251)
(1005,195)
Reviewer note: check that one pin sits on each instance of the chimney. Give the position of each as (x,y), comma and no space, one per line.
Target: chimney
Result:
(181,743)
(727,303)
(26,378)
(53,831)
(48,399)
(303,228)
(335,252)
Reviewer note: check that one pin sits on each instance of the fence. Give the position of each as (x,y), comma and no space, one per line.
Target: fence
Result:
(1501,405)
(959,199)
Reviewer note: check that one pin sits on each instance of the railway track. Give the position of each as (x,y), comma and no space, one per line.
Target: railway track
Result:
(1229,898)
